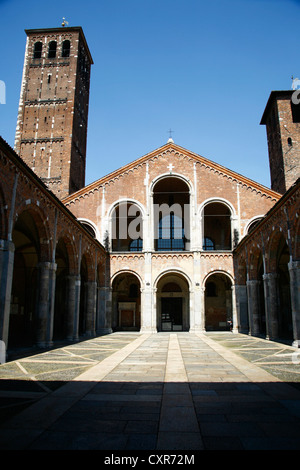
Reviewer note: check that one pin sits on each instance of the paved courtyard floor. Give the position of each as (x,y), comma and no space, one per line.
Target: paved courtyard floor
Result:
(166,391)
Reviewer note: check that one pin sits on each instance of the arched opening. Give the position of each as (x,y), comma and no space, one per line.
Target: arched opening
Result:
(126,302)
(22,321)
(61,291)
(91,230)
(285,325)
(217,227)
(127,228)
(172,303)
(218,302)
(66,45)
(52,50)
(253,224)
(171,209)
(37,50)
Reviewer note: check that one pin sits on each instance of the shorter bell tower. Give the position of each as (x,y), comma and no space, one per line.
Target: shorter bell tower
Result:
(282,120)
(52,120)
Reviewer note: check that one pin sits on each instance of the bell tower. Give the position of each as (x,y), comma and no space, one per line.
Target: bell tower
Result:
(282,120)
(53,109)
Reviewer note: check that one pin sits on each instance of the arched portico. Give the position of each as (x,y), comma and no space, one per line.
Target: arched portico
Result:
(126,302)
(172,302)
(218,301)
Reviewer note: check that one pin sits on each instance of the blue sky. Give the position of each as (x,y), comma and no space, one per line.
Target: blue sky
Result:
(205,69)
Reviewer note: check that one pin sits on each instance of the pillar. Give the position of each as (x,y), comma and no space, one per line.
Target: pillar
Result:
(73,297)
(234,309)
(44,303)
(148,317)
(253,306)
(271,304)
(196,314)
(103,317)
(91,299)
(242,308)
(294,270)
(6,275)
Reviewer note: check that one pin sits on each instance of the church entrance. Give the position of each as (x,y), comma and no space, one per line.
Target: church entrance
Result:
(218,302)
(126,303)
(171,314)
(172,303)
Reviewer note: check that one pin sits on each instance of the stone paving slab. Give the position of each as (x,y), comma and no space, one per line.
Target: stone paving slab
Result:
(165,391)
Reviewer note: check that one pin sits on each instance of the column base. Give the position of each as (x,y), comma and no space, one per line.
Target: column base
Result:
(104,331)
(296,343)
(148,329)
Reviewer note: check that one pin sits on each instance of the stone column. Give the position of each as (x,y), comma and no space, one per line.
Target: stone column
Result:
(202,308)
(148,322)
(103,320)
(196,315)
(242,308)
(6,275)
(294,270)
(44,303)
(148,311)
(253,306)
(271,304)
(234,310)
(52,282)
(91,298)
(73,306)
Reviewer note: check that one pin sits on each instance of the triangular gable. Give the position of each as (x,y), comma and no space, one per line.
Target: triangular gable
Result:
(176,148)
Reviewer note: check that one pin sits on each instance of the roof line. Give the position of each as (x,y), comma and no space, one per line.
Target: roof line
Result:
(144,158)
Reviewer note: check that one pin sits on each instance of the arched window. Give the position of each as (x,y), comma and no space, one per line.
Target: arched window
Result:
(37,51)
(52,50)
(217,227)
(171,198)
(127,228)
(66,45)
(253,224)
(89,228)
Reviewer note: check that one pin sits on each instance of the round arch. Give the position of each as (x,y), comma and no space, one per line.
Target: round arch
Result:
(71,248)
(23,321)
(217,215)
(172,301)
(126,301)
(42,226)
(252,223)
(171,213)
(127,236)
(218,300)
(91,227)
(279,258)
(171,175)
(220,200)
(172,270)
(125,200)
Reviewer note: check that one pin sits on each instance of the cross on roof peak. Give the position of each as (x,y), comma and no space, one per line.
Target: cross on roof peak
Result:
(170,138)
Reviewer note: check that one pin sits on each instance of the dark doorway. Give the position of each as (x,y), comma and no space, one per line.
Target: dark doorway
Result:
(171,314)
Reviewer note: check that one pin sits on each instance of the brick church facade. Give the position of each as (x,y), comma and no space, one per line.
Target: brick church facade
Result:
(170,242)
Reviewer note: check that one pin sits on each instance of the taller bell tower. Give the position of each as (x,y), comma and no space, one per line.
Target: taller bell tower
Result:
(53,110)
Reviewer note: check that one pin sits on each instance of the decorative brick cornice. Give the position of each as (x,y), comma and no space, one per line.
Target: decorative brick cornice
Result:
(174,149)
